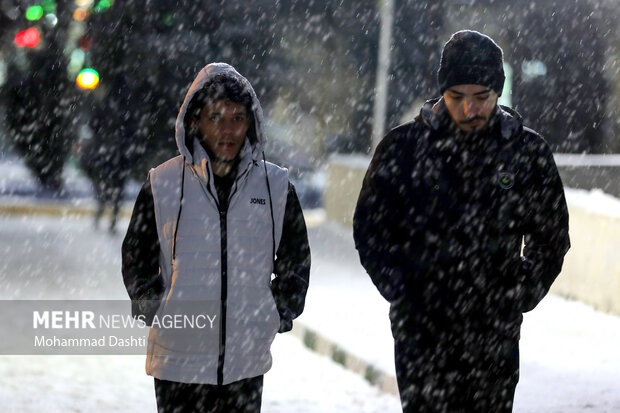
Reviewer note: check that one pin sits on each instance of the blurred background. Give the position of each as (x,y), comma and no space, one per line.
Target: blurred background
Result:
(89,94)
(315,65)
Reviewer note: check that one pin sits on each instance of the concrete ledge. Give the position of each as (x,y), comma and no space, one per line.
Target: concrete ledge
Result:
(591,271)
(55,209)
(320,344)
(345,174)
(65,209)
(590,171)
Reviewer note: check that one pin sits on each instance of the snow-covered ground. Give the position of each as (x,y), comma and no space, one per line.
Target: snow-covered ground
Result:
(570,359)
(300,381)
(55,258)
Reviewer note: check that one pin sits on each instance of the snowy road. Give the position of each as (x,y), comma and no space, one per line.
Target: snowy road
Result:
(63,259)
(300,382)
(570,358)
(570,354)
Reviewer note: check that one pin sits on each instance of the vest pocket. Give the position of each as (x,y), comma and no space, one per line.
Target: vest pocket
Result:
(252,308)
(188,326)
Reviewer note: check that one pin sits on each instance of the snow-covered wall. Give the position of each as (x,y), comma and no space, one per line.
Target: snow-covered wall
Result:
(590,171)
(591,271)
(345,174)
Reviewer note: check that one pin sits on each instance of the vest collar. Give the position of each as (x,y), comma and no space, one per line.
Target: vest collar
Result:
(201,164)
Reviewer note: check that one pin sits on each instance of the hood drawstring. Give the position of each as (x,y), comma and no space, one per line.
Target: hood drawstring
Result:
(273,222)
(176,227)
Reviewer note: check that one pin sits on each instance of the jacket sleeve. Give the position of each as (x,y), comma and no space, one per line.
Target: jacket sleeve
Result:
(374,221)
(292,263)
(140,257)
(546,238)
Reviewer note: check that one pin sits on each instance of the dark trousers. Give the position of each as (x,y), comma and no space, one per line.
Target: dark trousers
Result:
(455,376)
(242,396)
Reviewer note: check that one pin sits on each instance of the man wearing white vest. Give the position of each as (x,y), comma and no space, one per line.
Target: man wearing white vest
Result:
(220,231)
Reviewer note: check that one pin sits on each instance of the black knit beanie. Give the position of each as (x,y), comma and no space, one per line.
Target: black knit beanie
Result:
(470,57)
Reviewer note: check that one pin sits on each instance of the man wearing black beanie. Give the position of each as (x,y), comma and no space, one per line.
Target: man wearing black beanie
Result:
(446,205)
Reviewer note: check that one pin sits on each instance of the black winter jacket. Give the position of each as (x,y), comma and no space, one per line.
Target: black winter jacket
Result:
(441,217)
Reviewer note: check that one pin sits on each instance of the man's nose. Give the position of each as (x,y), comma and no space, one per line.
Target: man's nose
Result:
(227,126)
(469,109)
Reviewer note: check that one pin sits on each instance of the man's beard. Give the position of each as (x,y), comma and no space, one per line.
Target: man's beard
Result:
(475,118)
(215,159)
(480,131)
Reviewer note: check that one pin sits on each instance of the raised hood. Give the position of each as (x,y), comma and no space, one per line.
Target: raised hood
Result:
(203,77)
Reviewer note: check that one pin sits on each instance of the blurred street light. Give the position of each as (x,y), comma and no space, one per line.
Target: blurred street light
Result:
(28,38)
(34,13)
(80,14)
(87,79)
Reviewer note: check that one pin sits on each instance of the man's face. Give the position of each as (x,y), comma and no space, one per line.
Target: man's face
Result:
(470,106)
(224,125)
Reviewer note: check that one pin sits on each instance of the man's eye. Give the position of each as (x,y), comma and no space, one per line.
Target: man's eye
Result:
(214,118)
(483,98)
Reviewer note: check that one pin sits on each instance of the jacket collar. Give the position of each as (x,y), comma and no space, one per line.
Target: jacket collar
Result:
(435,115)
(201,164)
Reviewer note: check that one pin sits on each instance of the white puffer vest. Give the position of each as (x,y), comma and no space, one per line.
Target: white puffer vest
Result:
(221,262)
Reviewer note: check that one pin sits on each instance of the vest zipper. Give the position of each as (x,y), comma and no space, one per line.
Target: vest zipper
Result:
(224,292)
(224,267)
(223,297)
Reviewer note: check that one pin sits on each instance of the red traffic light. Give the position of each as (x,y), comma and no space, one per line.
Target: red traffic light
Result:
(28,38)
(86,42)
